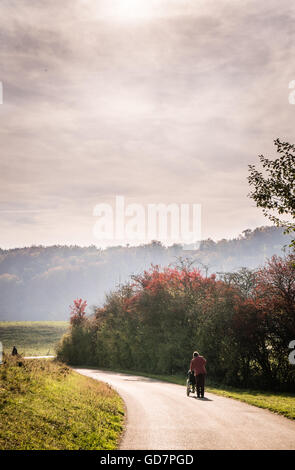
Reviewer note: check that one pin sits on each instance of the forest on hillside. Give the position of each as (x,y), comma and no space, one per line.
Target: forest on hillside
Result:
(40,282)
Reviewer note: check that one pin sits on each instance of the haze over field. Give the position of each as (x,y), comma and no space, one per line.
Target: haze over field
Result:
(156,100)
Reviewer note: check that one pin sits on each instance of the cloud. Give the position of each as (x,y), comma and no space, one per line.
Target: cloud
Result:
(169,105)
(6,277)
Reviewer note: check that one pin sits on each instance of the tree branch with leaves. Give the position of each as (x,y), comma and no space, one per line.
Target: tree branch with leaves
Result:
(274,186)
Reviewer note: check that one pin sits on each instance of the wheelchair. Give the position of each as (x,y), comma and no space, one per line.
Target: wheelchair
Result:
(190,383)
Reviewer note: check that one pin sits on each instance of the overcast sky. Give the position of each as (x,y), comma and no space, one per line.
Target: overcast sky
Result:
(161,101)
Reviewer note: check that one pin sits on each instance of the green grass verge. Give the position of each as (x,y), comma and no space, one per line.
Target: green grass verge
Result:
(45,405)
(32,338)
(281,403)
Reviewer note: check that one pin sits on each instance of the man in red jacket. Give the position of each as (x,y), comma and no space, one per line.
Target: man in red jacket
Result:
(198,367)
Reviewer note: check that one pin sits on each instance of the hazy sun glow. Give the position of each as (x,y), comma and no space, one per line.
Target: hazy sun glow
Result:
(126,10)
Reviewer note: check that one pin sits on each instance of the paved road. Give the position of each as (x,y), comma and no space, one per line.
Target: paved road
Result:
(161,417)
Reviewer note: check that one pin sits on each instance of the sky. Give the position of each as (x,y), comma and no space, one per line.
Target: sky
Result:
(159,101)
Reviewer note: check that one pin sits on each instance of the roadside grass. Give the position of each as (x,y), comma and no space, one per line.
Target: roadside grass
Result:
(32,338)
(45,405)
(277,402)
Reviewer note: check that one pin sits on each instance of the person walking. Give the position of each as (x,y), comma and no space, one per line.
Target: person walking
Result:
(198,367)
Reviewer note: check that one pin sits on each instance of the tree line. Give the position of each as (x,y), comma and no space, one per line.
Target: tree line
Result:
(242,322)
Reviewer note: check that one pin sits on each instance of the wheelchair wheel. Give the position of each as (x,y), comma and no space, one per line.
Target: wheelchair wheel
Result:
(188,388)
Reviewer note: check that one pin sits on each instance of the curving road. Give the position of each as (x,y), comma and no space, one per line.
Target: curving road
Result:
(161,417)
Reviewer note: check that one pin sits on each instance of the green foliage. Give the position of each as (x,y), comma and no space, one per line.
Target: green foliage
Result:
(46,406)
(274,192)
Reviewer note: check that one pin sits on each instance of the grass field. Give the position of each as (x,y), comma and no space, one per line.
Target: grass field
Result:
(281,403)
(32,338)
(46,405)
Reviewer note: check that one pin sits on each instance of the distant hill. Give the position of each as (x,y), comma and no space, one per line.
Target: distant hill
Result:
(39,283)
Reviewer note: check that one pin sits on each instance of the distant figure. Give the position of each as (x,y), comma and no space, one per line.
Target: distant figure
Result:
(198,367)
(14,351)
